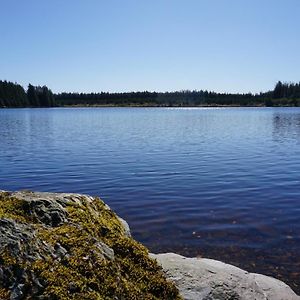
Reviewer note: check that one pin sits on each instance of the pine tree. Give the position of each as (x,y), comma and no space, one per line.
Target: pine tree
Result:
(278,90)
(32,96)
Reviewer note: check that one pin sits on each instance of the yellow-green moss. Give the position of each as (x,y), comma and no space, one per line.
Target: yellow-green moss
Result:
(12,208)
(4,294)
(84,273)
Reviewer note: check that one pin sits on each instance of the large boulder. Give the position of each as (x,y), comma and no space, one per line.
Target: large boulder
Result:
(70,246)
(208,279)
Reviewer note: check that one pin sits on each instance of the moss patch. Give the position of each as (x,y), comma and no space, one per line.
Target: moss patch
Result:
(12,208)
(4,293)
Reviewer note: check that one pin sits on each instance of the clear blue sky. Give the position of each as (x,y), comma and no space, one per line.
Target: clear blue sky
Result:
(125,45)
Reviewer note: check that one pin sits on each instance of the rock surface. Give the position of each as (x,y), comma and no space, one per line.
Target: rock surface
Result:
(208,279)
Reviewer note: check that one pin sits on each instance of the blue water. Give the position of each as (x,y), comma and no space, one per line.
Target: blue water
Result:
(215,182)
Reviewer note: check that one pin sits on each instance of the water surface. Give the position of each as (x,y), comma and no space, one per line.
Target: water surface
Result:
(214,182)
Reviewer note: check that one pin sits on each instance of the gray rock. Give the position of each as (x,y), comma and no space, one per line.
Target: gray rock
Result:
(48,208)
(208,279)
(125,226)
(47,212)
(105,251)
(17,292)
(13,235)
(60,251)
(14,240)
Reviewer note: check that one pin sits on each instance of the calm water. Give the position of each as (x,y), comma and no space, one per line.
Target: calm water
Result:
(220,183)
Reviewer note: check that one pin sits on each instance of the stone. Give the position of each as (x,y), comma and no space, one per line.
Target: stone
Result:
(48,212)
(17,292)
(13,235)
(125,226)
(72,246)
(103,251)
(208,279)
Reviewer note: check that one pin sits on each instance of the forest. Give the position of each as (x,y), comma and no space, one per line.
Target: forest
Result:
(14,95)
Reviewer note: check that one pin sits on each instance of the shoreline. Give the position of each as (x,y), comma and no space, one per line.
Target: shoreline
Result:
(155,106)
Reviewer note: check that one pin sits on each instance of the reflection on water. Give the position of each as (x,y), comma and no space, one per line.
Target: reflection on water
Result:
(221,183)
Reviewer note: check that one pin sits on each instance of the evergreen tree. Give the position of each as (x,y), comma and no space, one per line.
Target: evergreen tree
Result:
(12,95)
(278,90)
(32,96)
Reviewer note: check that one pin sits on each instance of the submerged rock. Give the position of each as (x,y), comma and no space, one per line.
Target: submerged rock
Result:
(208,279)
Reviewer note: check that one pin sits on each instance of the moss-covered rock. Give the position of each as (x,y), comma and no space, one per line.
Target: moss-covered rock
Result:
(70,246)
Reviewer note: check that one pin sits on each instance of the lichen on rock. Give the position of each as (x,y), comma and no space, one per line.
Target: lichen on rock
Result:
(70,246)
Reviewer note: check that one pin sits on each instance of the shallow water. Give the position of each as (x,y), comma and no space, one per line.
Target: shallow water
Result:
(215,182)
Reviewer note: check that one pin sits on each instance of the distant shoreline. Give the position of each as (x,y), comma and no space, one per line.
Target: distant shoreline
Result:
(14,95)
(156,106)
(162,106)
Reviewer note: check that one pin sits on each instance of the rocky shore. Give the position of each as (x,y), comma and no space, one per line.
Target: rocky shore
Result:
(72,246)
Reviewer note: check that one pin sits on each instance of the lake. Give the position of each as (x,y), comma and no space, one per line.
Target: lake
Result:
(221,183)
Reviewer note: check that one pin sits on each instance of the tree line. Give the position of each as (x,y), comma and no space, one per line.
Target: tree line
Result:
(14,95)
(283,94)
